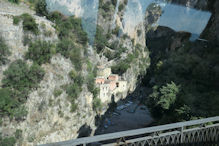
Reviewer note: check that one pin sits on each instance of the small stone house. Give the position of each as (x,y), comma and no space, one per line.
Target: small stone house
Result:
(121,86)
(113,77)
(109,84)
(104,92)
(99,80)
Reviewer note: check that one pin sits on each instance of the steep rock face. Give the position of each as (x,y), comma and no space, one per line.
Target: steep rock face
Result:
(14,34)
(129,19)
(49,118)
(133,22)
(152,15)
(211,31)
(166,38)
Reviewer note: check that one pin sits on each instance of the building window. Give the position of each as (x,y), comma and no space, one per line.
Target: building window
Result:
(117,84)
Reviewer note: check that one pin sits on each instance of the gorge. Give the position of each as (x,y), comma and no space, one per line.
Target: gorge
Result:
(55,82)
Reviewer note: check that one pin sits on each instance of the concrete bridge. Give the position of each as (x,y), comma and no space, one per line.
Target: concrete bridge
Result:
(196,132)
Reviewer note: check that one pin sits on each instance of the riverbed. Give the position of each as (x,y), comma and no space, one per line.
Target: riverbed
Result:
(127,115)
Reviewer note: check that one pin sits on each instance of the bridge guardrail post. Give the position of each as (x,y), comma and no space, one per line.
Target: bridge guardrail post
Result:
(181,130)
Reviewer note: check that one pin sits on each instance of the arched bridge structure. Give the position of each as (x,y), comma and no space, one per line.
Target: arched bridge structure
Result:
(196,132)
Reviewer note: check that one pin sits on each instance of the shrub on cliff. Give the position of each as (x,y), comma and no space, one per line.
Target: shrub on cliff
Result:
(120,68)
(72,27)
(20,77)
(16,20)
(4,51)
(97,105)
(7,141)
(14,1)
(40,52)
(73,39)
(106,6)
(121,7)
(29,23)
(114,2)
(40,8)
(100,39)
(18,81)
(116,30)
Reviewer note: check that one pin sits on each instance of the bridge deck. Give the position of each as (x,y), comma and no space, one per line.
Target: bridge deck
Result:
(202,130)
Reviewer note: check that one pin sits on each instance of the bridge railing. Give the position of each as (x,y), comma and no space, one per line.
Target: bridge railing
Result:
(195,131)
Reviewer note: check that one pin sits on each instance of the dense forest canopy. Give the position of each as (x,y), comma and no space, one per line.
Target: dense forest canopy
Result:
(186,82)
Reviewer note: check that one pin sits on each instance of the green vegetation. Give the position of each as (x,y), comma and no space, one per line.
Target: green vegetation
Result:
(118,50)
(65,46)
(97,105)
(72,44)
(7,141)
(116,30)
(29,23)
(14,1)
(40,52)
(139,32)
(18,81)
(192,72)
(106,8)
(4,52)
(100,40)
(10,141)
(73,39)
(163,98)
(74,89)
(18,134)
(121,7)
(40,8)
(114,2)
(122,66)
(92,73)
(57,92)
(72,28)
(16,20)
(125,2)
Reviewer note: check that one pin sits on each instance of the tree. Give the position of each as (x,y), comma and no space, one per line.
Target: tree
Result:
(4,52)
(29,23)
(168,95)
(162,99)
(41,8)
(40,52)
(7,102)
(14,1)
(16,76)
(8,141)
(100,40)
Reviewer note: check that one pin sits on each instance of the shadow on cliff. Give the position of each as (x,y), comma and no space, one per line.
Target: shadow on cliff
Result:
(126,114)
(84,131)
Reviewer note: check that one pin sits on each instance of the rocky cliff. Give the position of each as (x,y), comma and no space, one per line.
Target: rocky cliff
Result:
(49,118)
(49,112)
(211,32)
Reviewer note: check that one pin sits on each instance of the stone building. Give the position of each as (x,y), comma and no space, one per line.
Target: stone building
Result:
(109,84)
